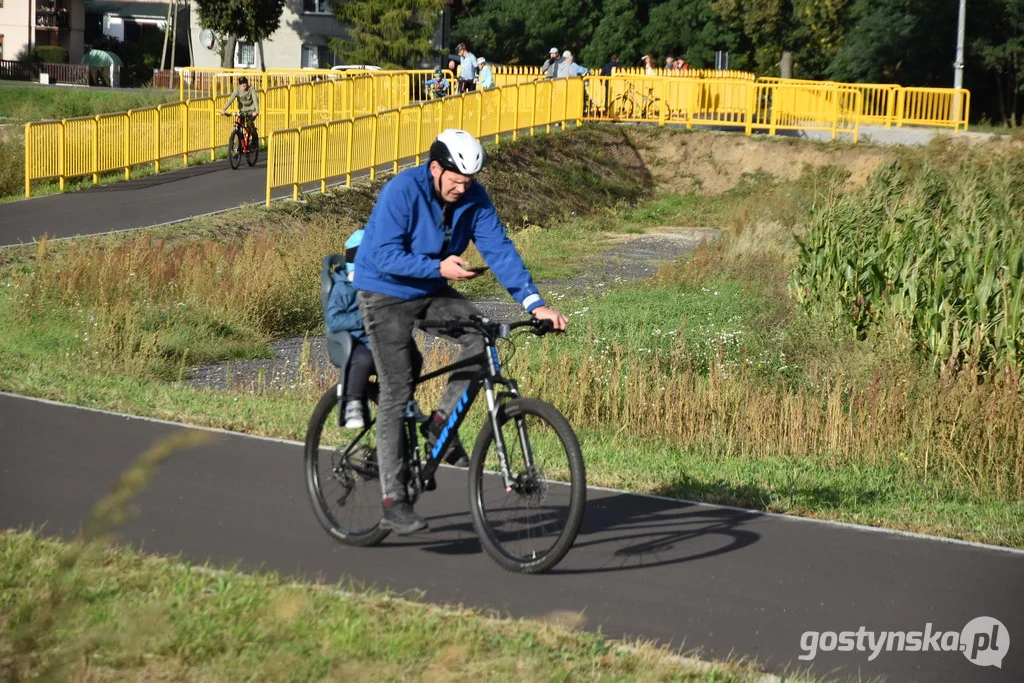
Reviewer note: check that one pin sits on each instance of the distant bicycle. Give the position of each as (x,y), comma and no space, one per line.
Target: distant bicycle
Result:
(243,141)
(629,105)
(527,481)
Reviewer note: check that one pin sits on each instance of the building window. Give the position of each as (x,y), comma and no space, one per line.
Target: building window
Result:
(245,54)
(310,56)
(314,7)
(317,57)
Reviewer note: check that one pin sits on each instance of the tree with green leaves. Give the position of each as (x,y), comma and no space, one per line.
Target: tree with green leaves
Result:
(516,32)
(692,30)
(1000,47)
(389,33)
(812,30)
(231,20)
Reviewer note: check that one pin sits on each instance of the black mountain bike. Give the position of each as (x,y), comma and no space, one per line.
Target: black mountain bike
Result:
(527,481)
(242,142)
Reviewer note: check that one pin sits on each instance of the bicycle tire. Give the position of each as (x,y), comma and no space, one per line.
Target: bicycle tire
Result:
(653,110)
(497,531)
(625,109)
(253,154)
(353,474)
(235,149)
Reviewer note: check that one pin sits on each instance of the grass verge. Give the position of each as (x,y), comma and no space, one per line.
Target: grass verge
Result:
(76,611)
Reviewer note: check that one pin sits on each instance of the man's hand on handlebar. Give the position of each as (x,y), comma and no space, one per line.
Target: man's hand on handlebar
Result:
(455,268)
(558,321)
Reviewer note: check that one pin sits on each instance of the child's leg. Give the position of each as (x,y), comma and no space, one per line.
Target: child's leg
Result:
(360,367)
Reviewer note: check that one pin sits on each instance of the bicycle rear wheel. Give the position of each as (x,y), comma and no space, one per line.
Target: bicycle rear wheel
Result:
(342,477)
(235,149)
(252,155)
(530,528)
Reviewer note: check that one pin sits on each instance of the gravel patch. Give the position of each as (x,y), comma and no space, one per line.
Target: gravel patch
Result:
(628,258)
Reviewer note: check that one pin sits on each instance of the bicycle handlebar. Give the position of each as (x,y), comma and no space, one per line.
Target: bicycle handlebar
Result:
(486,327)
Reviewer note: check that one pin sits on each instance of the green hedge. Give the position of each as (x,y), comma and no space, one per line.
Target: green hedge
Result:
(51,54)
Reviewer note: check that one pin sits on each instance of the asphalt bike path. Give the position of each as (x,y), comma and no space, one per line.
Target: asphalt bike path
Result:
(731,582)
(163,198)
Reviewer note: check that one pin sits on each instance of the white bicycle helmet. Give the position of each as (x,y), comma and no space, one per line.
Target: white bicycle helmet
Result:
(458,151)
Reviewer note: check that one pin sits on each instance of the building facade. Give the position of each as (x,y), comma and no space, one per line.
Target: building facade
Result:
(302,40)
(25,24)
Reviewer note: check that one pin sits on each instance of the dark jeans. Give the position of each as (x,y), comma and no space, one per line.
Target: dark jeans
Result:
(360,367)
(466,86)
(389,324)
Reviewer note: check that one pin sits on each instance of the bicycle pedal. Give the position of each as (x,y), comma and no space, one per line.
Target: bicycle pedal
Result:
(430,484)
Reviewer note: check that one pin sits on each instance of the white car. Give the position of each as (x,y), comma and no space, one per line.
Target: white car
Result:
(356,67)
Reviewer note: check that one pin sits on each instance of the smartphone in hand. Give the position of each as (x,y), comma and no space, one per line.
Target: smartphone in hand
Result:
(478,269)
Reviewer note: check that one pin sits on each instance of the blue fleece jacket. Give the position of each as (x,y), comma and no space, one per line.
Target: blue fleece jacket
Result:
(401,250)
(342,312)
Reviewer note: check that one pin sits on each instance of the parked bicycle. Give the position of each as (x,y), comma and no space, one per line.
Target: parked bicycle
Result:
(243,141)
(628,105)
(527,481)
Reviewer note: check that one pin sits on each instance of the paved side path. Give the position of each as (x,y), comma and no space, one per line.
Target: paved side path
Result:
(733,583)
(141,203)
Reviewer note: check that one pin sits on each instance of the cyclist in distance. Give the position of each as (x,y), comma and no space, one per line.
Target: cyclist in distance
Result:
(248,103)
(422,222)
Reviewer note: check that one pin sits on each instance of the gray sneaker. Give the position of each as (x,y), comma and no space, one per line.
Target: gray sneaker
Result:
(354,418)
(399,516)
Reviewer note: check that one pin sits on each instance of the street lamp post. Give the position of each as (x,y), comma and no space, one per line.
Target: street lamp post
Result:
(958,65)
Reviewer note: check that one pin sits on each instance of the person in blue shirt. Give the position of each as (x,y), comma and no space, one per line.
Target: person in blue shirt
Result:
(485,75)
(467,72)
(437,86)
(423,221)
(342,315)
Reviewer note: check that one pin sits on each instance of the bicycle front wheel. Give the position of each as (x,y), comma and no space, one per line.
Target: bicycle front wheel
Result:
(530,526)
(342,477)
(235,149)
(252,155)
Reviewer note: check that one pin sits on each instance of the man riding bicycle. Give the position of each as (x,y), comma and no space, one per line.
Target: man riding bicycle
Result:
(423,221)
(248,104)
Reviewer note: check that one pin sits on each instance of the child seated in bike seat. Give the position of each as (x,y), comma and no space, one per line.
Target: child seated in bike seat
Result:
(342,314)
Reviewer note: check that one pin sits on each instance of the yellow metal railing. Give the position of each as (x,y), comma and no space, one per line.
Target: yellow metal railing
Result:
(894,105)
(98,144)
(729,74)
(337,149)
(112,142)
(772,104)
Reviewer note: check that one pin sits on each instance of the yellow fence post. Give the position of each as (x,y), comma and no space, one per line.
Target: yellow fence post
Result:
(515,118)
(127,145)
(184,134)
(295,166)
(664,104)
(323,158)
(348,154)
(288,107)
(60,153)
(213,128)
(398,137)
(751,108)
(419,134)
(533,117)
(373,149)
(28,159)
(96,150)
(156,135)
(270,164)
(835,109)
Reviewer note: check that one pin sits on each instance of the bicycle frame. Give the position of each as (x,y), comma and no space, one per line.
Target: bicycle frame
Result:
(488,380)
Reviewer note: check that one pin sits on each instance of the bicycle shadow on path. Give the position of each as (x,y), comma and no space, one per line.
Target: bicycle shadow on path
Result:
(621,532)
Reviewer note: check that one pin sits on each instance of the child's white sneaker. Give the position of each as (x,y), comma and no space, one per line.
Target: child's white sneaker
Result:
(354,415)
